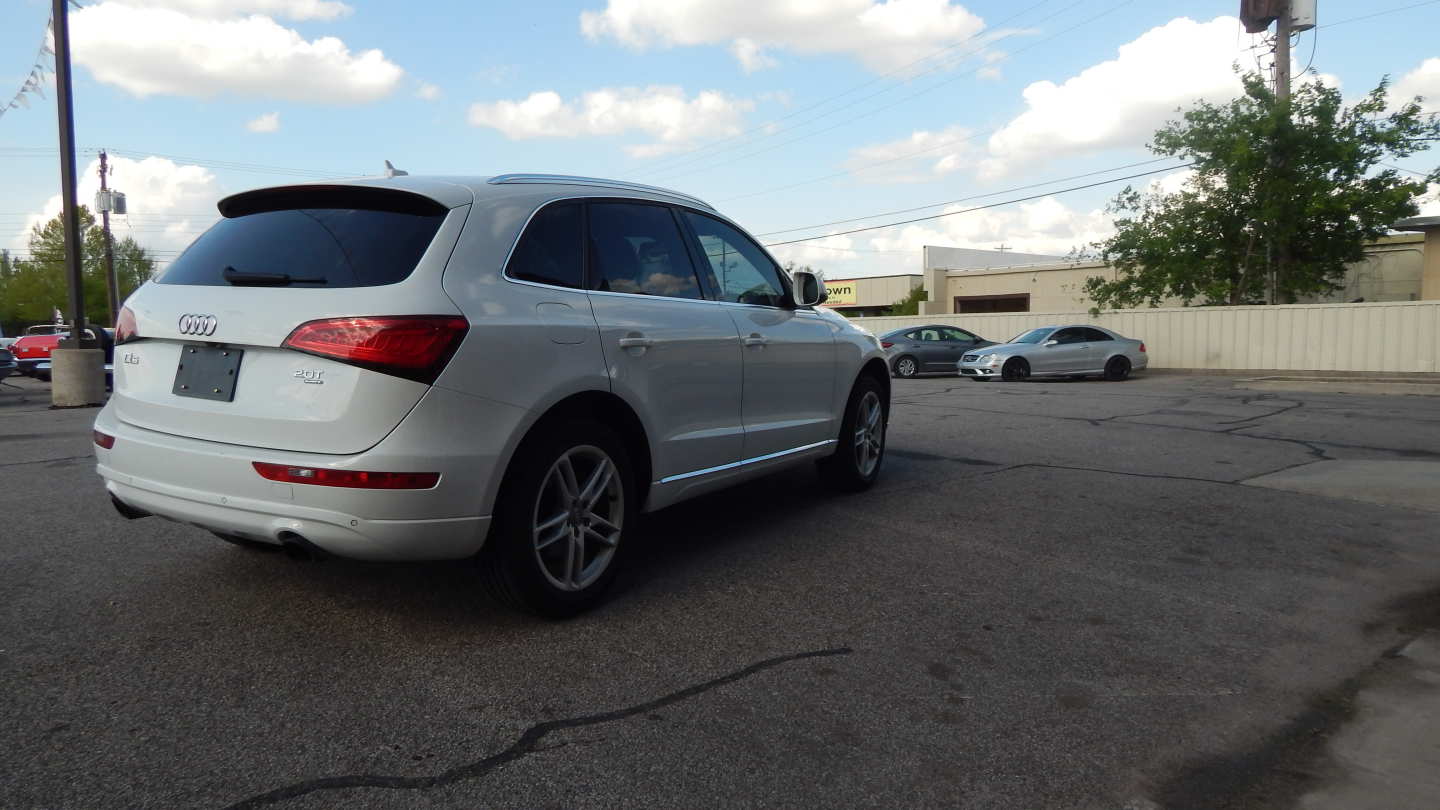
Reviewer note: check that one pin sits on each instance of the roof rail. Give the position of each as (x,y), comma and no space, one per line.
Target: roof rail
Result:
(573,180)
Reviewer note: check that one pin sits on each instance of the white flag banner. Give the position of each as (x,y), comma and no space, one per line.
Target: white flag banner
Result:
(44,66)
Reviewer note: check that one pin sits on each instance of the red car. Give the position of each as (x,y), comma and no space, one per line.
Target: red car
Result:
(32,352)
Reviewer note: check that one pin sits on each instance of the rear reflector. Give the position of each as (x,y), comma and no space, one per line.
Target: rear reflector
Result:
(415,347)
(104,440)
(352,479)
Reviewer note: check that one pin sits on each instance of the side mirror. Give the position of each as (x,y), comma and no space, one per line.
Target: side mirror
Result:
(1052,343)
(806,289)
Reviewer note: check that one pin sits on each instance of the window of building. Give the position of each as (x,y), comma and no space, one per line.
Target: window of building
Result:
(1018,302)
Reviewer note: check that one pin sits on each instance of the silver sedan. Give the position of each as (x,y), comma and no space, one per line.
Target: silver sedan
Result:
(1057,351)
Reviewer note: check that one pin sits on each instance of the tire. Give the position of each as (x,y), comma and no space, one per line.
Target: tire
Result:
(855,465)
(1016,369)
(1117,369)
(907,367)
(529,561)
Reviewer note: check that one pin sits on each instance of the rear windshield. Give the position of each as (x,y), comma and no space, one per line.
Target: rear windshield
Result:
(314,247)
(1033,336)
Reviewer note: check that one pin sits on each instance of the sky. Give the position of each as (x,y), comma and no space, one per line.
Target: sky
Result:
(797,118)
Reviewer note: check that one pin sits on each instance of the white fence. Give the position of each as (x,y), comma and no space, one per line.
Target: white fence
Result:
(1402,337)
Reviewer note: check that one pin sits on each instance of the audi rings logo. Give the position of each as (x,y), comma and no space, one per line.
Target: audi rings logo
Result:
(203,325)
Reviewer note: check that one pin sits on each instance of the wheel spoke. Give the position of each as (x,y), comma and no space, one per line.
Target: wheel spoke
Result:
(554,521)
(565,475)
(555,536)
(607,539)
(578,569)
(596,485)
(603,522)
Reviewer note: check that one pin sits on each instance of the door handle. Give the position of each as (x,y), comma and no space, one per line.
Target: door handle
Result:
(636,343)
(756,340)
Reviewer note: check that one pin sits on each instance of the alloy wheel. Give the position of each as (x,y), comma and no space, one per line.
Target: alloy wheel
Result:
(869,434)
(578,517)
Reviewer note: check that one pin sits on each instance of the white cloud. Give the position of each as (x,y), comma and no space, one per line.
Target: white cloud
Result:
(1044,226)
(269,122)
(1121,102)
(989,72)
(883,35)
(168,204)
(924,155)
(148,51)
(1430,201)
(751,55)
(427,91)
(1422,81)
(291,9)
(663,112)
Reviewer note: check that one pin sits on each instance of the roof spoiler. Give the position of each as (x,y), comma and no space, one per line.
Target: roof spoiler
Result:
(366,198)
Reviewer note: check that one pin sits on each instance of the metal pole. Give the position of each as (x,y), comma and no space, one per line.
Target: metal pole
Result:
(70,214)
(112,285)
(1283,25)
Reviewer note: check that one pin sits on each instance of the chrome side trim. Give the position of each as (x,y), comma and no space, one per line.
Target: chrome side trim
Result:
(576,180)
(768,456)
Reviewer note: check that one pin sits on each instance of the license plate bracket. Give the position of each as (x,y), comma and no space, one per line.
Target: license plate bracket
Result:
(207,372)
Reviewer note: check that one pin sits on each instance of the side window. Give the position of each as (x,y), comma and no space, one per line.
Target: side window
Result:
(1071,335)
(549,250)
(638,249)
(741,271)
(959,335)
(1096,334)
(915,335)
(930,335)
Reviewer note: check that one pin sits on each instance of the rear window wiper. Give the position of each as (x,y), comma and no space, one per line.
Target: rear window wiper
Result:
(238,278)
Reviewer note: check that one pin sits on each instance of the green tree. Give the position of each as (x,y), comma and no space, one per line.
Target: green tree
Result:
(1283,197)
(910,304)
(33,287)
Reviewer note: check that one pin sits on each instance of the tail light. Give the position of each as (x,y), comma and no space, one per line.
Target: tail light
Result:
(351,479)
(125,328)
(104,440)
(885,344)
(1142,347)
(415,347)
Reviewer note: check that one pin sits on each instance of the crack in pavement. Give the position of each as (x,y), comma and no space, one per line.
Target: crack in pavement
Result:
(528,742)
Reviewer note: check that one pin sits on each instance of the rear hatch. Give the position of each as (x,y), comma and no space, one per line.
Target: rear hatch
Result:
(204,351)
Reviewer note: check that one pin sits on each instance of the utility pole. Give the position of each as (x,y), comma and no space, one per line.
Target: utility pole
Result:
(69,214)
(77,368)
(112,286)
(1283,28)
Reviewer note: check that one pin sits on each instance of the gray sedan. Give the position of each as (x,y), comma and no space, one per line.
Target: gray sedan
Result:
(1058,351)
(922,349)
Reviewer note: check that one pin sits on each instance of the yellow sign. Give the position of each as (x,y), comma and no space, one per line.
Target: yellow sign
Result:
(842,293)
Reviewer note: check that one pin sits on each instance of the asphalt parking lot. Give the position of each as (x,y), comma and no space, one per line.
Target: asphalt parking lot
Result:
(1060,595)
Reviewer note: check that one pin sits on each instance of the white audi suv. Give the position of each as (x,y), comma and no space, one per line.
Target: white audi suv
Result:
(509,368)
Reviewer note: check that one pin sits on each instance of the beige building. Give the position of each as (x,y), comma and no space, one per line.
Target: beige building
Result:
(867,297)
(1393,270)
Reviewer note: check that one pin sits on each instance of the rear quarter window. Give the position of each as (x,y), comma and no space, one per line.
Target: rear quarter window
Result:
(316,247)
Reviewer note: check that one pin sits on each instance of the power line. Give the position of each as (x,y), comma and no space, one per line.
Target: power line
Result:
(910,97)
(975,196)
(1403,169)
(976,208)
(1379,14)
(711,148)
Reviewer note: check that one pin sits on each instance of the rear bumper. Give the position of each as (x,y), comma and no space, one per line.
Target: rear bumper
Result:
(214,486)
